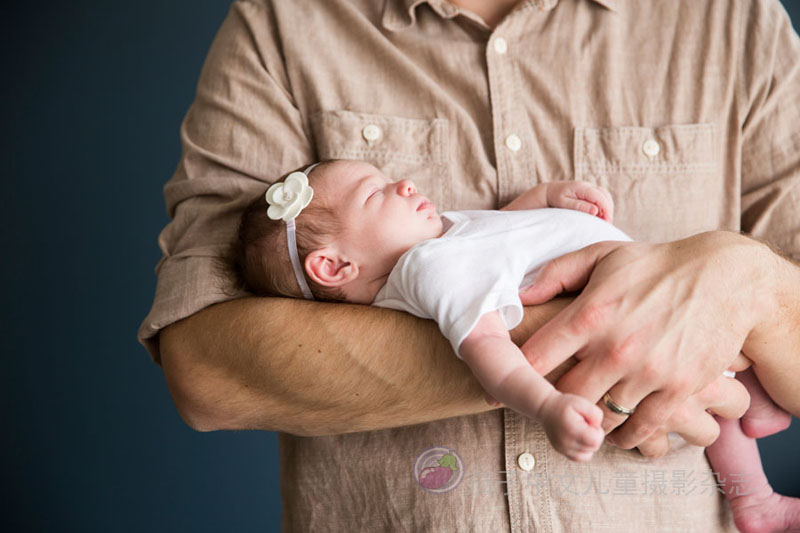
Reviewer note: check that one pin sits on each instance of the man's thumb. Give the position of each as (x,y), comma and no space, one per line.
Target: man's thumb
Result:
(569,272)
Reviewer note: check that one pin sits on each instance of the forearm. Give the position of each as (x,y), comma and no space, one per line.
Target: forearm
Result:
(774,343)
(533,198)
(502,370)
(315,369)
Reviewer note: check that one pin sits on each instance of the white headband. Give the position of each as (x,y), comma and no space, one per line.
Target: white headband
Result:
(286,200)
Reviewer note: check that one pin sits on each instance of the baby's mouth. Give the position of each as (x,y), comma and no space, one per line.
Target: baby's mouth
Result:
(424,205)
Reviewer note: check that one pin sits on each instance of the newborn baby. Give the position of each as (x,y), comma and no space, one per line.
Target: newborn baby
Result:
(365,239)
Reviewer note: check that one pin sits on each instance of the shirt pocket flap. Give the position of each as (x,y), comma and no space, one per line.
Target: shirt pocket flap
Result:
(676,148)
(661,178)
(402,148)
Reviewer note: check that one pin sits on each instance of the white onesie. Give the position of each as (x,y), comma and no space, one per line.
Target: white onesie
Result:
(482,261)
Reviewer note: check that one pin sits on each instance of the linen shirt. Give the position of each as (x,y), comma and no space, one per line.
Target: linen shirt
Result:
(688,111)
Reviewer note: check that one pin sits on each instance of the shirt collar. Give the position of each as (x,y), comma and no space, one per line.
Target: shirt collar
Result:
(400,15)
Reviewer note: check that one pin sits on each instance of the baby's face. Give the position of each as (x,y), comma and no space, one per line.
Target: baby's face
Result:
(382,219)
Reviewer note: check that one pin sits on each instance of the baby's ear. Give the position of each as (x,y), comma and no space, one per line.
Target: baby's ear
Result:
(327,268)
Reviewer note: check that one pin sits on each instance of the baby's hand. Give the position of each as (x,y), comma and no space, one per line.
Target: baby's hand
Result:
(581,196)
(572,424)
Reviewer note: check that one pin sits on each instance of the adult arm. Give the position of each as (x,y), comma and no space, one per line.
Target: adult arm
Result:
(318,370)
(315,369)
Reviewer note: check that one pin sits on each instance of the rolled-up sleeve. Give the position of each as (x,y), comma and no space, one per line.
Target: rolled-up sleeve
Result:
(770,84)
(242,130)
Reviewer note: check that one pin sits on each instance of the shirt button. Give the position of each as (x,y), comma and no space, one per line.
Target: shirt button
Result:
(651,148)
(500,45)
(513,143)
(526,461)
(371,133)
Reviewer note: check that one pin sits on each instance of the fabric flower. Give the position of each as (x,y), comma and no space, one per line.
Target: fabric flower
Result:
(287,198)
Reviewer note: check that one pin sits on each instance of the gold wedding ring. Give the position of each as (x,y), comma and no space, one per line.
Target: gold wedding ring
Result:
(615,407)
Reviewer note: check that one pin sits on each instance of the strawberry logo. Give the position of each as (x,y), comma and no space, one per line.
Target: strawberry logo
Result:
(438,470)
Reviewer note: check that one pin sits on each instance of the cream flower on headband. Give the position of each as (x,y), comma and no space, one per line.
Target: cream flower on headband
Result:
(288,198)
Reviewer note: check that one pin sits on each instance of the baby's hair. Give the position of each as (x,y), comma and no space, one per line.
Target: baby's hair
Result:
(258,260)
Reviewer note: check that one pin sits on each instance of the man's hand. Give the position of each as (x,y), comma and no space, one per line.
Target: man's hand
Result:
(693,419)
(653,325)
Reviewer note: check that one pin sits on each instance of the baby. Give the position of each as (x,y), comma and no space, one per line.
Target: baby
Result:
(365,239)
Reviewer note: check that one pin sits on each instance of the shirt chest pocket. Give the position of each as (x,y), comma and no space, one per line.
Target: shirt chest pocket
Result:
(402,148)
(666,181)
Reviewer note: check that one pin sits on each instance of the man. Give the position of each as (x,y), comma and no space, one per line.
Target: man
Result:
(684,110)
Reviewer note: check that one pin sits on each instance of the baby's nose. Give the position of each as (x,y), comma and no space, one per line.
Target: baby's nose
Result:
(406,188)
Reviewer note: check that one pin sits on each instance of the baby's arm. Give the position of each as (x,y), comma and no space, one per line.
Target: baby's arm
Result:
(577,195)
(572,423)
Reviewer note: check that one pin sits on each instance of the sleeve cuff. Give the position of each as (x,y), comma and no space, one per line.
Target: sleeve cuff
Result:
(186,284)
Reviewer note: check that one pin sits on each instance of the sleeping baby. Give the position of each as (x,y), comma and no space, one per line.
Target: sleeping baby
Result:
(359,237)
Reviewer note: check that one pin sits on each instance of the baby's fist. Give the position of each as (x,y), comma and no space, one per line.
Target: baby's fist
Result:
(581,196)
(572,423)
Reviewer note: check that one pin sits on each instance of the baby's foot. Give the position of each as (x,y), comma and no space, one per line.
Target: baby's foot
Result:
(572,424)
(764,417)
(759,421)
(765,511)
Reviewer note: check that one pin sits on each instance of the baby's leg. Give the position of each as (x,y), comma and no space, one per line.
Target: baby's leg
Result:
(763,418)
(735,457)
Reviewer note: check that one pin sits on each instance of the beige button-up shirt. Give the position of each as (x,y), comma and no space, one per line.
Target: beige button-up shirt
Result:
(687,110)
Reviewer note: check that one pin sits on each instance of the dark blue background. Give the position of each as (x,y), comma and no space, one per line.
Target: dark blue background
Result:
(94,93)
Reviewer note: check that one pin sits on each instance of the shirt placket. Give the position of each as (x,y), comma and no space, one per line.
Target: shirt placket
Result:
(512,137)
(528,477)
(525,448)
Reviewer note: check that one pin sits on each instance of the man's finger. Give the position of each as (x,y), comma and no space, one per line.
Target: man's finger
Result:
(619,396)
(591,378)
(553,343)
(695,425)
(740,364)
(656,446)
(650,415)
(726,397)
(569,272)
(691,420)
